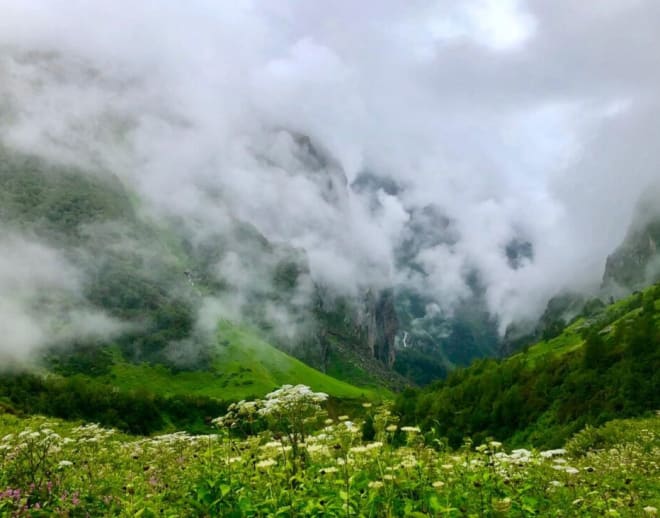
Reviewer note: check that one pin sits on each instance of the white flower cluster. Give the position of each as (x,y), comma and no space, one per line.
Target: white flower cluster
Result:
(294,400)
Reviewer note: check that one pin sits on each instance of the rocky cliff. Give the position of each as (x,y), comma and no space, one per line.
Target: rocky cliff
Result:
(636,262)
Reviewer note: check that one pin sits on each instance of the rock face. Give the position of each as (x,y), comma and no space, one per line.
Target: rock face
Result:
(380,325)
(636,263)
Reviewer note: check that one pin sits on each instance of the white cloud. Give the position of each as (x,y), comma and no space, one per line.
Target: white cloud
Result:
(536,119)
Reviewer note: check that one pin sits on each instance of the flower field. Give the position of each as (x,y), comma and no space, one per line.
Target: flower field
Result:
(283,456)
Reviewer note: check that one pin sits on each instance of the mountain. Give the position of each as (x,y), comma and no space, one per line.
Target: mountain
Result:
(432,339)
(158,279)
(636,262)
(605,364)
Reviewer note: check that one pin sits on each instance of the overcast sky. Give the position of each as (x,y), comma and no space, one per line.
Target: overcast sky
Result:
(534,120)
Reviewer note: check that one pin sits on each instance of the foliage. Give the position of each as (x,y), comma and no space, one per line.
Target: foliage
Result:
(51,468)
(599,368)
(138,412)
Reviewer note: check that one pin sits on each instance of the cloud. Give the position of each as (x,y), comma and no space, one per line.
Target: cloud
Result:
(532,121)
(41,302)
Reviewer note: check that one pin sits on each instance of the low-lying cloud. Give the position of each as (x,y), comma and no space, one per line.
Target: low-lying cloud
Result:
(41,301)
(531,122)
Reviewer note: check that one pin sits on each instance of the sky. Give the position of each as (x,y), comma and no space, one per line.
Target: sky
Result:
(519,120)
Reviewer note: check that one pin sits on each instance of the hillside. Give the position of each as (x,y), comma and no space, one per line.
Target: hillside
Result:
(102,386)
(155,276)
(243,366)
(600,367)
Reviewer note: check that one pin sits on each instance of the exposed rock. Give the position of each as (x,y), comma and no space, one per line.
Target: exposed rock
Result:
(636,263)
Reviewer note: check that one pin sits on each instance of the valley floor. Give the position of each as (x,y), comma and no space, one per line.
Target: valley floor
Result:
(55,468)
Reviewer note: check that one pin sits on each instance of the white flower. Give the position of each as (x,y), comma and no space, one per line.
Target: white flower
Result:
(329,469)
(438,484)
(65,463)
(391,428)
(571,470)
(359,449)
(552,453)
(410,429)
(521,452)
(376,484)
(271,444)
(265,464)
(650,510)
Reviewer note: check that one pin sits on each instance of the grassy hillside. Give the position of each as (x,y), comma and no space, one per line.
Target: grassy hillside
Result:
(243,366)
(102,386)
(604,365)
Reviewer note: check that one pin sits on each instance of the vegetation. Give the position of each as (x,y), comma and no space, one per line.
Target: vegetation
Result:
(282,457)
(242,366)
(603,366)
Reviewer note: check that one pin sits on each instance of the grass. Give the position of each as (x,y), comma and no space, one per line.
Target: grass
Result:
(54,468)
(245,366)
(571,338)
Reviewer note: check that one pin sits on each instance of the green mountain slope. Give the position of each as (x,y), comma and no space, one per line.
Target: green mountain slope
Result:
(602,366)
(243,366)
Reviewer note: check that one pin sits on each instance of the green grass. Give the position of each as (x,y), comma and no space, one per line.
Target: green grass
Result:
(245,366)
(571,338)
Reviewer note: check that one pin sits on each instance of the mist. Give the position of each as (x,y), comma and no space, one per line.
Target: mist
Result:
(41,301)
(515,122)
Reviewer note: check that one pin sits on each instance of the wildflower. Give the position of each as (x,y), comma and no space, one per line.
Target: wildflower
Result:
(65,463)
(410,429)
(359,449)
(391,428)
(328,421)
(265,464)
(447,466)
(521,452)
(552,453)
(233,460)
(374,445)
(555,483)
(438,484)
(350,425)
(271,444)
(343,418)
(329,469)
(366,405)
(376,484)
(388,477)
(650,510)
(409,462)
(578,501)
(316,448)
(572,471)
(495,444)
